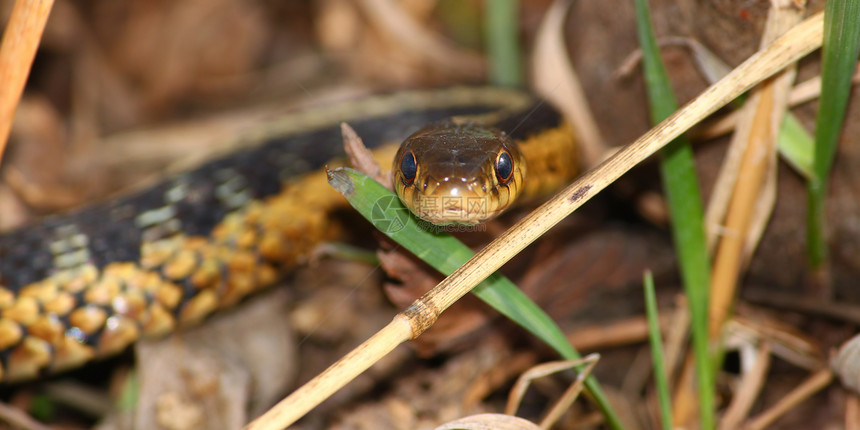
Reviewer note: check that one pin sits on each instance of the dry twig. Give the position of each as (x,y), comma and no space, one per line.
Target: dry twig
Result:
(749,389)
(17,52)
(803,391)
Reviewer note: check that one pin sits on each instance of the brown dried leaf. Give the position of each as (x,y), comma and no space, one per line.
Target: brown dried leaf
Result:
(461,319)
(43,171)
(360,157)
(219,374)
(400,27)
(187,41)
(393,43)
(712,67)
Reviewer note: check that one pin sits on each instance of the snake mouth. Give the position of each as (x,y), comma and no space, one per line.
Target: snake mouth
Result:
(456,217)
(460,203)
(448,209)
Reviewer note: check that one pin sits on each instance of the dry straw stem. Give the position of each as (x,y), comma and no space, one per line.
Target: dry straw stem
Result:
(745,191)
(685,400)
(748,390)
(845,312)
(20,41)
(801,40)
(786,342)
(518,391)
(744,194)
(852,412)
(676,337)
(803,92)
(622,332)
(806,389)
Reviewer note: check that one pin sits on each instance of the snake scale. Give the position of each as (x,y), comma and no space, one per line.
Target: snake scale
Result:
(87,284)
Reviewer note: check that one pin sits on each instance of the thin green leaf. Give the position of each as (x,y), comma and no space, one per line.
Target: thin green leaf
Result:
(503,49)
(840,50)
(796,146)
(347,252)
(42,408)
(129,393)
(660,378)
(445,253)
(685,207)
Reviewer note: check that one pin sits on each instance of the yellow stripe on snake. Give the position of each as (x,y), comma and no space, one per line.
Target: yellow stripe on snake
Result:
(87,284)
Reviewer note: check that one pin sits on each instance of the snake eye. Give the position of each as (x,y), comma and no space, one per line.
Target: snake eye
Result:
(408,168)
(504,167)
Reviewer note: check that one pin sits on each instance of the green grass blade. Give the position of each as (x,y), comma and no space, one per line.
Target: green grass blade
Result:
(503,51)
(129,395)
(796,146)
(347,252)
(445,253)
(678,171)
(840,51)
(660,378)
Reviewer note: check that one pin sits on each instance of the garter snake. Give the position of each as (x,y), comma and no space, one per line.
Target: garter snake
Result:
(86,284)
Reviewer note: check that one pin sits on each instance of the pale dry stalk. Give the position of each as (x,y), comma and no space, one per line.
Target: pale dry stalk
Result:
(748,390)
(807,388)
(743,196)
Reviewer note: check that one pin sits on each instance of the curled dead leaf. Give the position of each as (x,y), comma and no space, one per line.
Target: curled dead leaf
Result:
(555,79)
(846,364)
(489,422)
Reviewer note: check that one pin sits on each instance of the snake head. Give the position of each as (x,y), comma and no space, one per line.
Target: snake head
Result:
(454,172)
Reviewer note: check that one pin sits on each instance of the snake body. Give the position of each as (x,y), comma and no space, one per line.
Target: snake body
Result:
(85,285)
